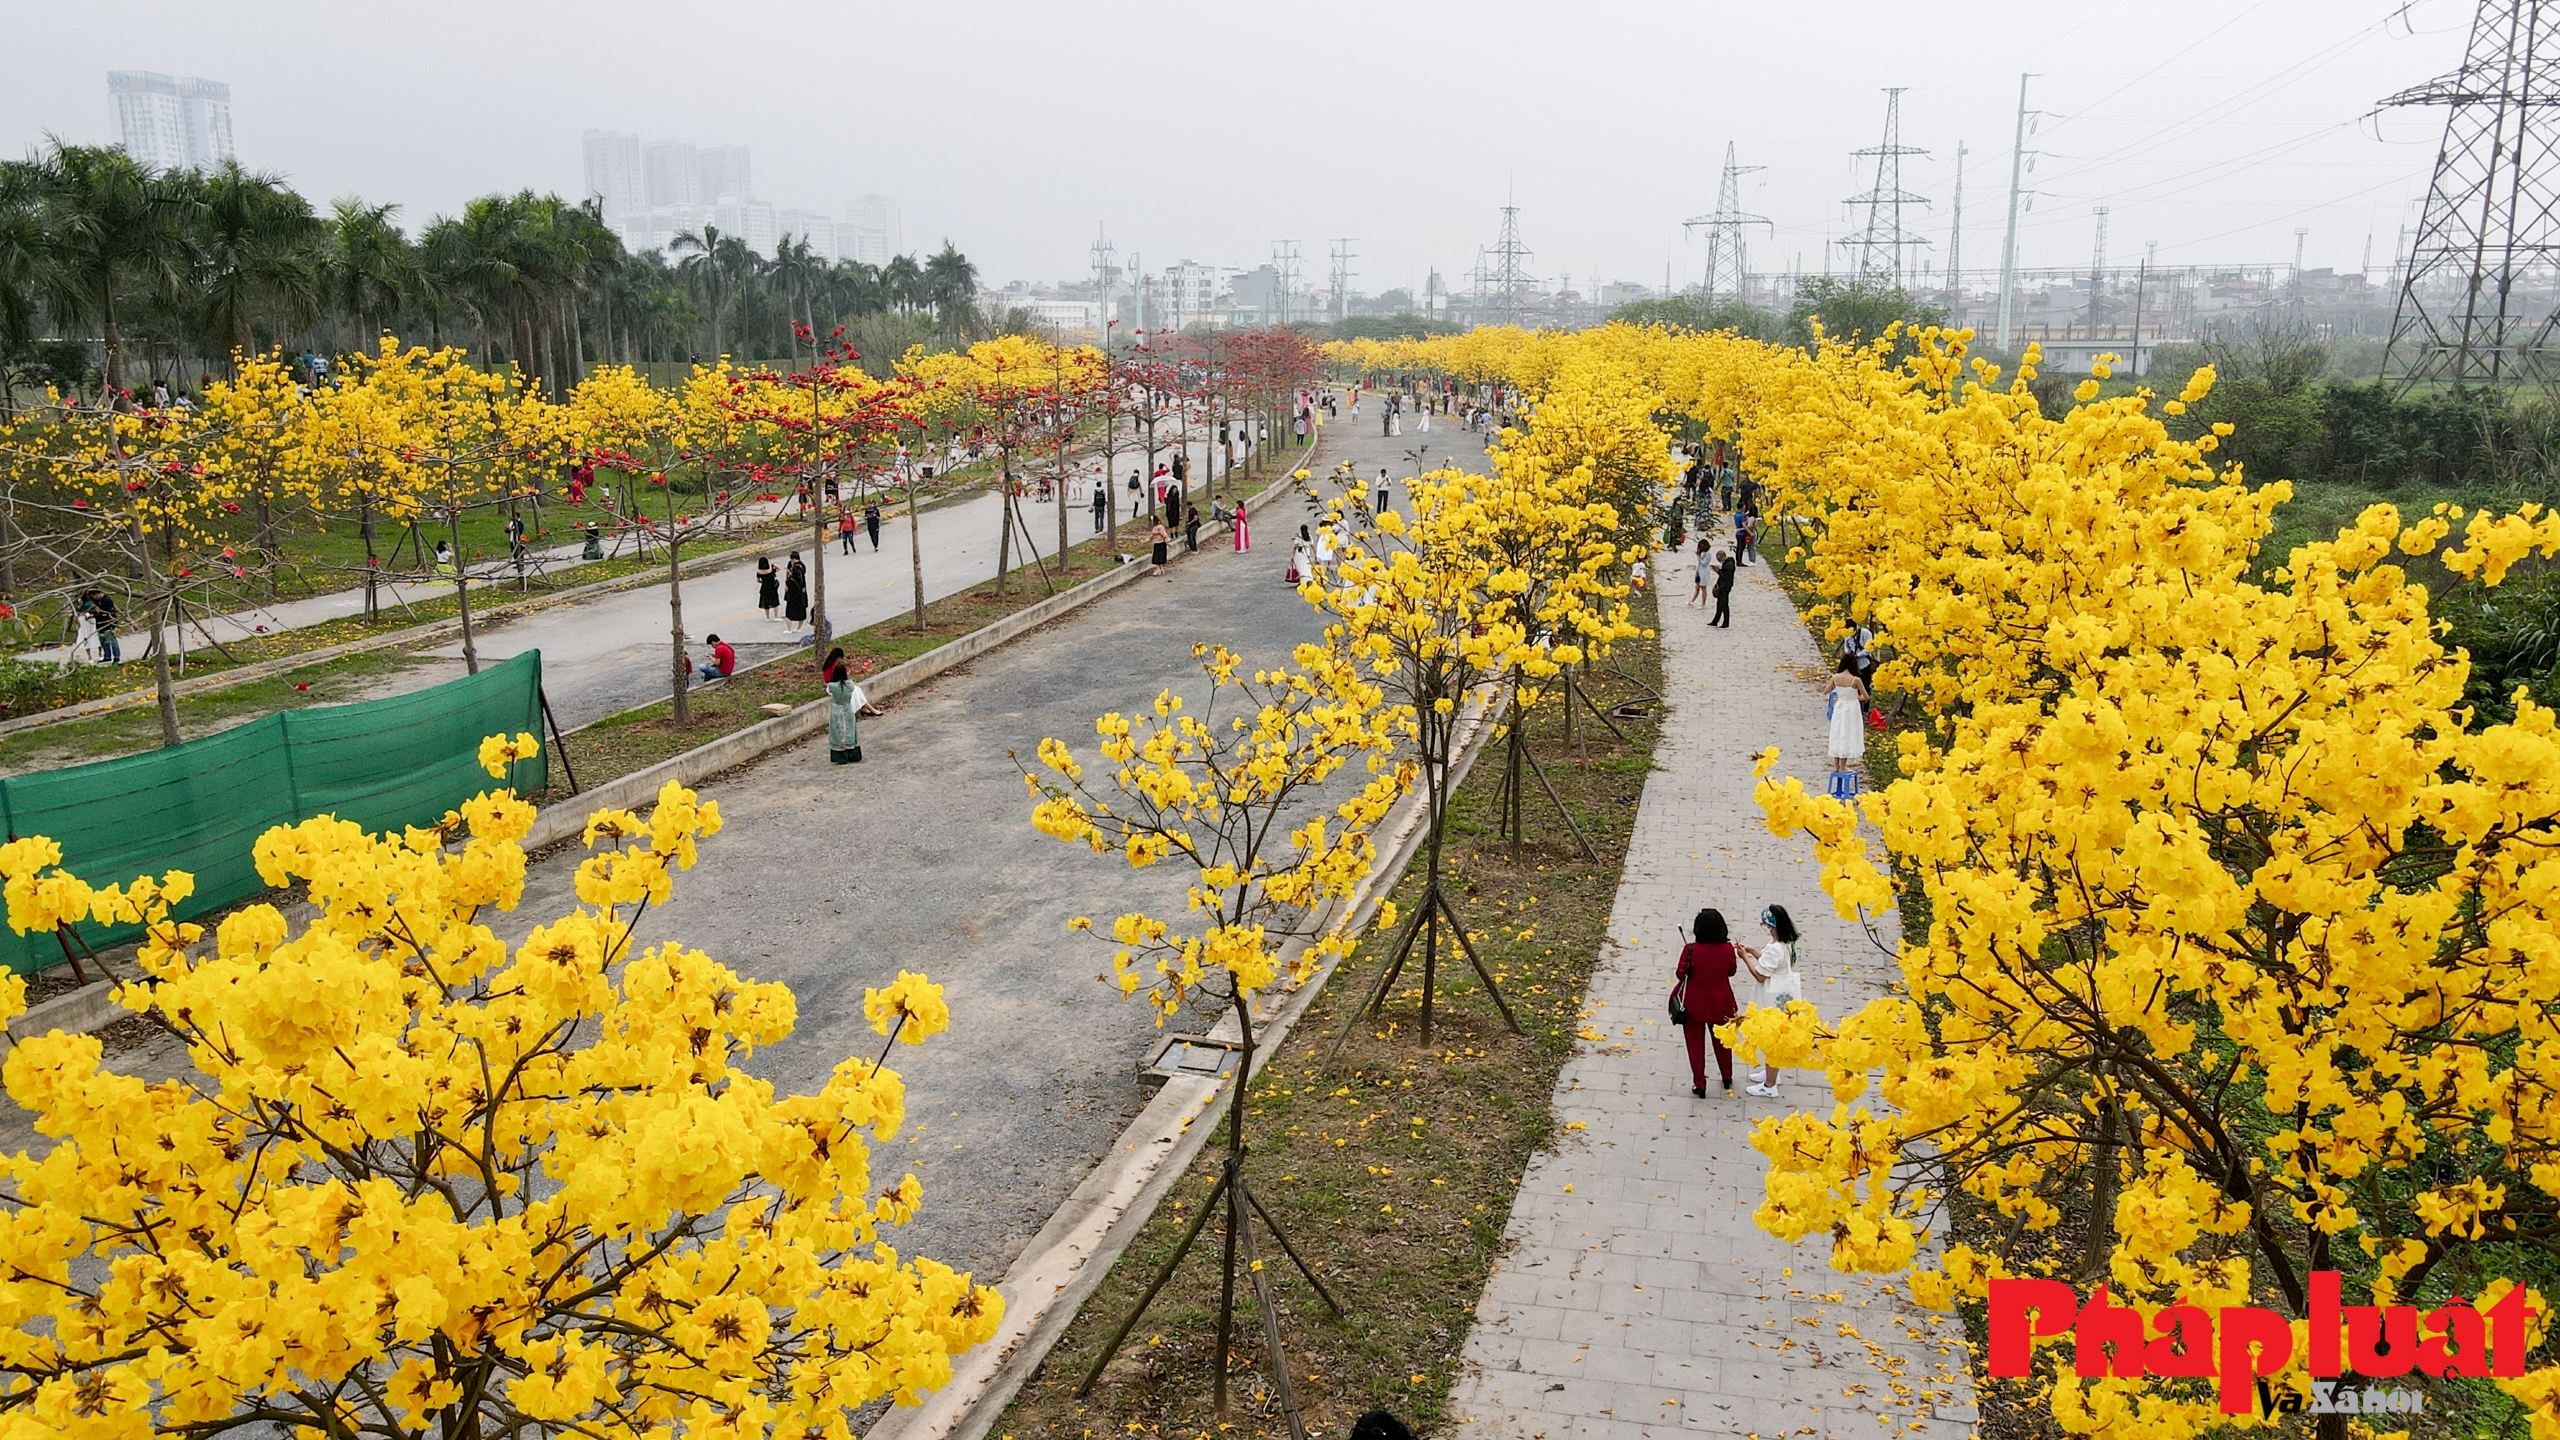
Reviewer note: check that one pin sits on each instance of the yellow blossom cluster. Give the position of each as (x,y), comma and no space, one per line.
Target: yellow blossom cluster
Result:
(1228,787)
(425,1183)
(2242,950)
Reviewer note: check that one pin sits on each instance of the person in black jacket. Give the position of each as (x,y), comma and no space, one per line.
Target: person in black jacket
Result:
(1722,590)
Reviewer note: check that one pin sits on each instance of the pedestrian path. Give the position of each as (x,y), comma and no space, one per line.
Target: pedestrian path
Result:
(1636,1297)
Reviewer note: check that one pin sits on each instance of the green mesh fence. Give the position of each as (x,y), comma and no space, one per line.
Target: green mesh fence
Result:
(199,807)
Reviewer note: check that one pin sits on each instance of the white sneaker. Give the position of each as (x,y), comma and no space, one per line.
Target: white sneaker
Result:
(1758,1089)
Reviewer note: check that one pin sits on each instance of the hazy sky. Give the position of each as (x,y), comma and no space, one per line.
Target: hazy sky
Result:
(2214,127)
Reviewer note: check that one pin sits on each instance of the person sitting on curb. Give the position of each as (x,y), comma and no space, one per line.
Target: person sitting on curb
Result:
(723,662)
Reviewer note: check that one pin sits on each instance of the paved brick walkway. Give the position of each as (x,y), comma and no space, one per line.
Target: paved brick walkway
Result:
(1637,1298)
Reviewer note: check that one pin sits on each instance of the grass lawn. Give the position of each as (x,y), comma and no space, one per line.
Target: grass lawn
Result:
(1394,1167)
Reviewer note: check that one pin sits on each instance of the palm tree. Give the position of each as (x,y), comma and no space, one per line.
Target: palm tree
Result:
(371,271)
(951,287)
(257,253)
(903,281)
(719,268)
(797,269)
(115,234)
(23,259)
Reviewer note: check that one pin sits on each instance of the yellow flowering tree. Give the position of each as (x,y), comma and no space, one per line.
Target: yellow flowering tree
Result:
(260,436)
(424,1184)
(1236,792)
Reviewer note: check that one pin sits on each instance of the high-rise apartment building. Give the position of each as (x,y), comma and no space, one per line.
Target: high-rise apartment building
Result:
(875,221)
(816,230)
(614,174)
(171,122)
(724,173)
(670,174)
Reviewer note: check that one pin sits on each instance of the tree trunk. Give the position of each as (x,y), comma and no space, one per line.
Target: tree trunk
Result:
(818,566)
(1004,514)
(372,565)
(160,680)
(675,618)
(915,551)
(462,589)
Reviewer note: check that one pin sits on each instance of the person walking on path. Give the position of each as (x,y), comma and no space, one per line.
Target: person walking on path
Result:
(845,531)
(871,522)
(1302,557)
(1846,699)
(1386,497)
(100,608)
(795,590)
(1159,543)
(844,708)
(1774,966)
(595,545)
(1704,987)
(1324,545)
(768,588)
(1244,535)
(1722,589)
(1101,501)
(1706,575)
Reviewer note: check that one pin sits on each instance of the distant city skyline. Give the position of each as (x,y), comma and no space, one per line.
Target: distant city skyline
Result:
(652,191)
(171,122)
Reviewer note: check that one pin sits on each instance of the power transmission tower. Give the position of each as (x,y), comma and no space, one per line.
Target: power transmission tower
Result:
(1284,258)
(1881,244)
(1955,249)
(2097,268)
(2490,217)
(1342,258)
(1727,262)
(1506,271)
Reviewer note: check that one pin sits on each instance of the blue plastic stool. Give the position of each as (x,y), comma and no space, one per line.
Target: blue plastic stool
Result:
(1843,785)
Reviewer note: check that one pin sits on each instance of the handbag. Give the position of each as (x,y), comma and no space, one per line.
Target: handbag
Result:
(1679,988)
(1785,987)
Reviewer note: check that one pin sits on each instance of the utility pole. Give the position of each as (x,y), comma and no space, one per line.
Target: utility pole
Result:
(1342,258)
(2141,277)
(1103,275)
(2097,268)
(1955,249)
(2009,248)
(1138,284)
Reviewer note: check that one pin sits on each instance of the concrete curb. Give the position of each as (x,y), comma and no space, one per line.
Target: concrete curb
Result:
(566,820)
(91,1007)
(1048,1284)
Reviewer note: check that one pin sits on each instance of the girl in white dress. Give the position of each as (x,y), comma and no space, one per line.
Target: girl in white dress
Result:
(1774,966)
(1847,697)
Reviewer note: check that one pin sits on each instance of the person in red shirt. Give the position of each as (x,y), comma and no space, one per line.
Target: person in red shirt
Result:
(1705,983)
(724,663)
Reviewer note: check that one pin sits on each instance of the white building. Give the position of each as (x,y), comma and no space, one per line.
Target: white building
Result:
(819,231)
(1190,294)
(171,122)
(671,174)
(614,174)
(875,222)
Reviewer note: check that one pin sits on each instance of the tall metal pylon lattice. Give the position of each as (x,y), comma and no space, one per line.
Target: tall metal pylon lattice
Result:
(1503,272)
(2492,217)
(1727,261)
(1342,258)
(1284,259)
(1879,247)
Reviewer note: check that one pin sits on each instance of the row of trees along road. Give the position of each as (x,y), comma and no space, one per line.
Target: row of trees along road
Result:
(115,274)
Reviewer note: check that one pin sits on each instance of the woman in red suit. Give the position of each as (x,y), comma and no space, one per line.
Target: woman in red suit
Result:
(1706,973)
